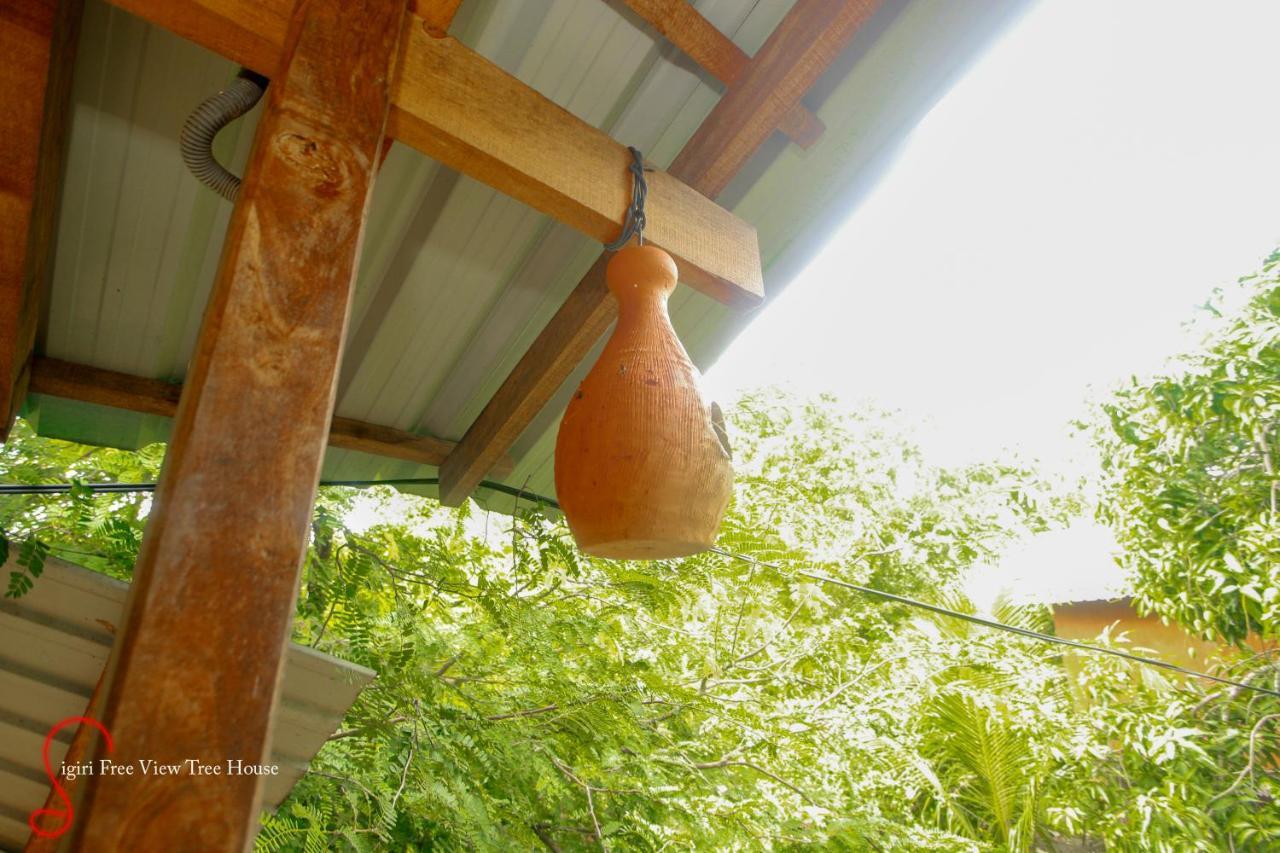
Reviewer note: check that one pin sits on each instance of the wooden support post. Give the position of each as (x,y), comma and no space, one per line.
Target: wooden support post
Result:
(809,38)
(38,39)
(196,669)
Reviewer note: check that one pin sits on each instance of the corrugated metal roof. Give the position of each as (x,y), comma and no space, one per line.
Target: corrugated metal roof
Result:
(455,279)
(54,643)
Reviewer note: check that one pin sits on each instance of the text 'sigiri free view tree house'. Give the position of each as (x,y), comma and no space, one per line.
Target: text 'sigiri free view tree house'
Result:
(409,283)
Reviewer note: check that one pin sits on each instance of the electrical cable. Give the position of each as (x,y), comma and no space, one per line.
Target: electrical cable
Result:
(203,125)
(1001,626)
(125,488)
(117,488)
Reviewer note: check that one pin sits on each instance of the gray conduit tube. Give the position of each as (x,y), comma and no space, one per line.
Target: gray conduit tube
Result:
(210,117)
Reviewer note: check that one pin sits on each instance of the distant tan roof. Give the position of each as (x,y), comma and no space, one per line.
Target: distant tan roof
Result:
(1124,602)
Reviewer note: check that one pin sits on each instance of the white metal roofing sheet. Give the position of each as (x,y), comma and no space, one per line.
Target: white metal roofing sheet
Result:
(455,279)
(54,643)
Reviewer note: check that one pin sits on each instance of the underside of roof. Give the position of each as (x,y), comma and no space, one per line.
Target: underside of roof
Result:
(455,279)
(54,643)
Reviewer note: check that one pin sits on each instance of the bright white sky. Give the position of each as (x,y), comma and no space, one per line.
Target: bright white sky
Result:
(1048,227)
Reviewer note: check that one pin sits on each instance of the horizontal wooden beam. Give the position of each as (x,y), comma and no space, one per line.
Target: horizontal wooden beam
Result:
(804,43)
(459,108)
(38,38)
(700,40)
(87,384)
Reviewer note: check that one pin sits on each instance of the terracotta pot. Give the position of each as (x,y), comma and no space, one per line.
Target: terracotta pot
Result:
(642,460)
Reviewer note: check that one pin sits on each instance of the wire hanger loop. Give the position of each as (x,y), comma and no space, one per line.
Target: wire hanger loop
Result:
(634,222)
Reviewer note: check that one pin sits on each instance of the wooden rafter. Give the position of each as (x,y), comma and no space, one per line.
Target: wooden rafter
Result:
(698,39)
(195,671)
(809,37)
(457,107)
(804,44)
(39,41)
(87,384)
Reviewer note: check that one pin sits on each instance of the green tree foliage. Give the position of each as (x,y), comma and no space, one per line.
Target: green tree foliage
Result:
(1192,487)
(102,532)
(528,697)
(1168,769)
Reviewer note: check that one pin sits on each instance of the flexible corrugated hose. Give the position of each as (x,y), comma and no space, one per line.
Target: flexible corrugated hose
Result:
(203,125)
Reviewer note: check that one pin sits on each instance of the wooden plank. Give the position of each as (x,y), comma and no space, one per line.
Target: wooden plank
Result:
(457,107)
(156,397)
(793,57)
(460,109)
(698,39)
(87,384)
(557,350)
(804,44)
(349,434)
(195,672)
(38,38)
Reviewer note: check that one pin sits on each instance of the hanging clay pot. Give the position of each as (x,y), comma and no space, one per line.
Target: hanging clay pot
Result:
(642,460)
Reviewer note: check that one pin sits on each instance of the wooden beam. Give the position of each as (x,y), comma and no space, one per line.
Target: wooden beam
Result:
(795,55)
(804,44)
(195,671)
(457,107)
(56,378)
(38,39)
(558,349)
(462,110)
(700,40)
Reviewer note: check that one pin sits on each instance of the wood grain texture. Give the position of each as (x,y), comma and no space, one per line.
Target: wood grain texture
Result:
(38,38)
(698,39)
(195,672)
(462,110)
(809,37)
(589,310)
(457,107)
(87,384)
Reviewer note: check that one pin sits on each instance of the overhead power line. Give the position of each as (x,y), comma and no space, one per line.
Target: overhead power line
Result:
(117,488)
(1000,626)
(124,488)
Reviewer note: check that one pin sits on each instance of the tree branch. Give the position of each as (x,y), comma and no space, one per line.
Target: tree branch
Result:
(729,761)
(543,831)
(1248,768)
